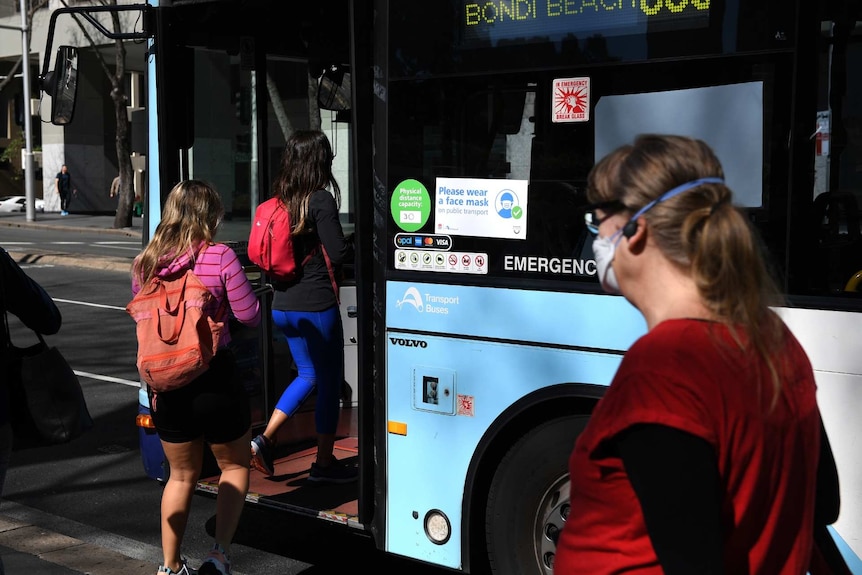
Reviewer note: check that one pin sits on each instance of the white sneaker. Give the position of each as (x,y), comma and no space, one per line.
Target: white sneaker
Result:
(184,570)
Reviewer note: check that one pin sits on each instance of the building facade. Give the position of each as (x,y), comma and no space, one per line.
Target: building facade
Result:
(88,144)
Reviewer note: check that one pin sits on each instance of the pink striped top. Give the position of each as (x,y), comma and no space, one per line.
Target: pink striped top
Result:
(219,270)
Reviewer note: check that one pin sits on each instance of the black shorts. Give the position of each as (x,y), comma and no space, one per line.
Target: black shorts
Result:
(214,406)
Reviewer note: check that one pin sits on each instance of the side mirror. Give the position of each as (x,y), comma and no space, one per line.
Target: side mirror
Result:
(62,85)
(333,89)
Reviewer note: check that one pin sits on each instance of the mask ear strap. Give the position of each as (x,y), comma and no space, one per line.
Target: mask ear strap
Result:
(631,226)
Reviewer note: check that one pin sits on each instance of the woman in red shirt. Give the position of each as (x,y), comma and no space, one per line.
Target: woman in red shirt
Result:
(703,455)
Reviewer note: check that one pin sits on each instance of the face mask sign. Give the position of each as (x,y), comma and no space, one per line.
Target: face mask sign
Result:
(605,248)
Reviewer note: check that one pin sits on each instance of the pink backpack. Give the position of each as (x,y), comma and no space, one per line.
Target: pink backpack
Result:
(176,338)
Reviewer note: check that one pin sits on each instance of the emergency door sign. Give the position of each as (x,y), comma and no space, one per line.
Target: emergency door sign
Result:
(571,100)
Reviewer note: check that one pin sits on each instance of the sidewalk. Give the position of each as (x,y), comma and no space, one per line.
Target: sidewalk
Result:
(27,548)
(83,222)
(100,224)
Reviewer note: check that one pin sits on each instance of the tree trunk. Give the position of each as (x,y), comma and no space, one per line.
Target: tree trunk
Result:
(278,107)
(313,109)
(126,199)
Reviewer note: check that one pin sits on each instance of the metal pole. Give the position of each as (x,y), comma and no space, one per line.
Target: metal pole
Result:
(28,120)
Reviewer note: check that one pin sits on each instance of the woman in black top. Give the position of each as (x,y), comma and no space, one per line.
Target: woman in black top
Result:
(306,309)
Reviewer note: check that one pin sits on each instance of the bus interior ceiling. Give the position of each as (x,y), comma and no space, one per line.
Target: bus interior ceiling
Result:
(316,31)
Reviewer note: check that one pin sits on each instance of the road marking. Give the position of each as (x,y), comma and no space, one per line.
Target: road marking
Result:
(132,248)
(101,305)
(107,378)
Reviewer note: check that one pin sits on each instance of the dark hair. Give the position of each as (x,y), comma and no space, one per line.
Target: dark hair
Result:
(306,167)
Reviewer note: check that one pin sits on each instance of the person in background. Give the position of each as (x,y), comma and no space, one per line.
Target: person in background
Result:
(26,299)
(306,310)
(707,453)
(63,185)
(115,187)
(214,407)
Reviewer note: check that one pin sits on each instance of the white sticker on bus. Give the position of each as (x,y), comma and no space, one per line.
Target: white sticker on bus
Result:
(435,261)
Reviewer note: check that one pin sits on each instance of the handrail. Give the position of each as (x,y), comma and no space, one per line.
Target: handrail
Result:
(854,282)
(87,12)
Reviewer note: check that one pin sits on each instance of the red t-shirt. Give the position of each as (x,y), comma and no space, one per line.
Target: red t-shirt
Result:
(690,375)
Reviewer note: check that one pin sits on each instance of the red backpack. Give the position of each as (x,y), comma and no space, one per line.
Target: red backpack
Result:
(270,244)
(176,338)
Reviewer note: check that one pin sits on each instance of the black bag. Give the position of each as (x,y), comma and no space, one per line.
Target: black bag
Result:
(46,403)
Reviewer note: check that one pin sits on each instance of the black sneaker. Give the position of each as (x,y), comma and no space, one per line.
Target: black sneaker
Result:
(261,455)
(216,563)
(335,472)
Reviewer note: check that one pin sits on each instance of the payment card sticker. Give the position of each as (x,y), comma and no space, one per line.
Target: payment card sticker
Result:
(410,205)
(481,208)
(571,100)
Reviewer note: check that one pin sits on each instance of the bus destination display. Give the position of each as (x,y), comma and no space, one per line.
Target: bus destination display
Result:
(529,20)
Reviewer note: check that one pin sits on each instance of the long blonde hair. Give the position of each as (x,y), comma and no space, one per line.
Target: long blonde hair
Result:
(191,216)
(700,231)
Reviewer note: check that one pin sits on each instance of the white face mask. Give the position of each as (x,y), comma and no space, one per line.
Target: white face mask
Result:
(604,249)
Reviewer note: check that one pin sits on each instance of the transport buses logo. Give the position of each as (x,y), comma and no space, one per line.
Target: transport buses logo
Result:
(430,304)
(412,297)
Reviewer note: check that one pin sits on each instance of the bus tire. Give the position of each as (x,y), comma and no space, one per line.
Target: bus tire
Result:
(529,499)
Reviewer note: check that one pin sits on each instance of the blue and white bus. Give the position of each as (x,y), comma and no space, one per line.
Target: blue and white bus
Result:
(477,337)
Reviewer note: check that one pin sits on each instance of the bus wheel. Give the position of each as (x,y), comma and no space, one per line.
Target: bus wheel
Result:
(529,499)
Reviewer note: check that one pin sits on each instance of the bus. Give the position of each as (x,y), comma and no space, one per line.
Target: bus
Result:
(477,337)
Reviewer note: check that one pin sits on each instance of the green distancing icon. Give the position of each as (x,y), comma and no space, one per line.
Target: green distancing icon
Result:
(410,205)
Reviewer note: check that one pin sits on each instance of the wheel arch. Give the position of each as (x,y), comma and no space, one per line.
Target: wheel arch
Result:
(563,399)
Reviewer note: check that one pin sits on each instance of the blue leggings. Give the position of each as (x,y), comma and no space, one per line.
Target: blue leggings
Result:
(316,341)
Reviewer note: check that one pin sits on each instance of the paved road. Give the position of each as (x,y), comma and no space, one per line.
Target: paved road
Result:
(57,255)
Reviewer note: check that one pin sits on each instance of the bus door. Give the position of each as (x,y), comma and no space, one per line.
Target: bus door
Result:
(233,82)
